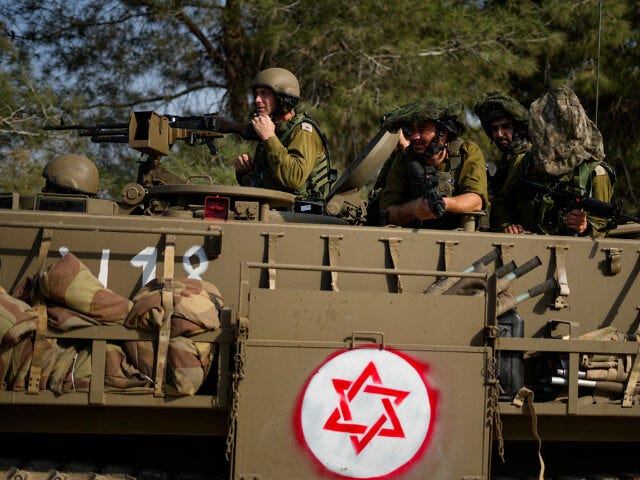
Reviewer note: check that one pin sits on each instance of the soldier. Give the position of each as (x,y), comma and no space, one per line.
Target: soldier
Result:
(71,174)
(505,121)
(292,154)
(438,175)
(566,155)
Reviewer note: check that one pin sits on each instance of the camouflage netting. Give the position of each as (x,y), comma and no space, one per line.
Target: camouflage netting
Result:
(494,104)
(75,298)
(562,135)
(448,112)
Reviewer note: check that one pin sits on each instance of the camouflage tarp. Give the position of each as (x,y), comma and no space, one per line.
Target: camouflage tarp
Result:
(17,318)
(562,136)
(15,362)
(70,284)
(196,309)
(75,299)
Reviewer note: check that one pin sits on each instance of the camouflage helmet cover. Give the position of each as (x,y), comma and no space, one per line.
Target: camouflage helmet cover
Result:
(446,113)
(494,104)
(562,135)
(73,172)
(280,80)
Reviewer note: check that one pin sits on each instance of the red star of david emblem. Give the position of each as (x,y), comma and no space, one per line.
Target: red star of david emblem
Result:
(341,420)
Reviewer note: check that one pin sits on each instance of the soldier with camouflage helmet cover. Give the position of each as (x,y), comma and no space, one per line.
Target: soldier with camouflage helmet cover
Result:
(292,154)
(566,155)
(433,125)
(505,121)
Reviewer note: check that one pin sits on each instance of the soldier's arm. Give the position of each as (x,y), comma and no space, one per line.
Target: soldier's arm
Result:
(601,189)
(472,182)
(395,197)
(292,165)
(466,202)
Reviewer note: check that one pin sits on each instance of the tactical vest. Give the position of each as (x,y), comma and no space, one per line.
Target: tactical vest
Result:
(507,162)
(318,183)
(538,213)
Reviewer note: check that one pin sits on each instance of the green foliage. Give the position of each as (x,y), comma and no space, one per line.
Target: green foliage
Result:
(97,61)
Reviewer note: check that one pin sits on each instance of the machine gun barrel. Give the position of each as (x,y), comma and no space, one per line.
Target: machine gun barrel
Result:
(99,132)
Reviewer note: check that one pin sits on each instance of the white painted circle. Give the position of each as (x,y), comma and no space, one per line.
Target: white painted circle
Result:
(365,413)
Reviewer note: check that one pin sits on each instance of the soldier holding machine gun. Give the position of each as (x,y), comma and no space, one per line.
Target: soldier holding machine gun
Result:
(566,162)
(438,175)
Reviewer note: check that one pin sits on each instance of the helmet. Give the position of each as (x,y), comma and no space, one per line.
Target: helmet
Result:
(284,84)
(492,105)
(73,172)
(446,114)
(562,135)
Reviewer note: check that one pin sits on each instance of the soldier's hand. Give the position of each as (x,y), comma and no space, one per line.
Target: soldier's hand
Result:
(513,228)
(576,220)
(422,210)
(244,164)
(264,126)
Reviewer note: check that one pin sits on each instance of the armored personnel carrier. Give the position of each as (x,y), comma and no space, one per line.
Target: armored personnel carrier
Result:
(201,331)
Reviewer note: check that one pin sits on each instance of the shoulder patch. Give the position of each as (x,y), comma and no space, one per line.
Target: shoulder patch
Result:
(599,171)
(306,126)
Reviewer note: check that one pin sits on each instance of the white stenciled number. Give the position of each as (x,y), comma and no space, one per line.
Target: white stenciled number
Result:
(202,265)
(146,260)
(103,275)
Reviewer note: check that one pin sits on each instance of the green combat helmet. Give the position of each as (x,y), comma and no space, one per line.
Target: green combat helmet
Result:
(284,84)
(446,114)
(562,135)
(72,173)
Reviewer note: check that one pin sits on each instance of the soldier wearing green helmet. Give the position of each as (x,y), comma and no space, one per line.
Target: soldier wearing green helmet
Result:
(505,121)
(292,154)
(455,167)
(71,174)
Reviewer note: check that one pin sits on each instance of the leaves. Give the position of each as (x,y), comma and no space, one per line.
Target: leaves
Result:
(98,61)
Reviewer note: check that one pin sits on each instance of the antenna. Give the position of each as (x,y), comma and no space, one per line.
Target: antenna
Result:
(598,59)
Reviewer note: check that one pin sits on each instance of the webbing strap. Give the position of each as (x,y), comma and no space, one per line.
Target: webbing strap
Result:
(394,253)
(334,253)
(561,275)
(40,339)
(633,380)
(272,245)
(526,395)
(167,305)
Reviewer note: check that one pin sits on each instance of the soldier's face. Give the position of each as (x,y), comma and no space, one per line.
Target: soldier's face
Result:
(265,101)
(422,134)
(502,131)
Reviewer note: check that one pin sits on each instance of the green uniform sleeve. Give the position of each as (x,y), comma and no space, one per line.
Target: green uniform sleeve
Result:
(291,166)
(396,190)
(601,189)
(473,172)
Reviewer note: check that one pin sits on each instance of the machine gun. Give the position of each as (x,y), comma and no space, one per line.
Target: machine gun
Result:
(153,135)
(566,201)
(149,132)
(213,122)
(425,185)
